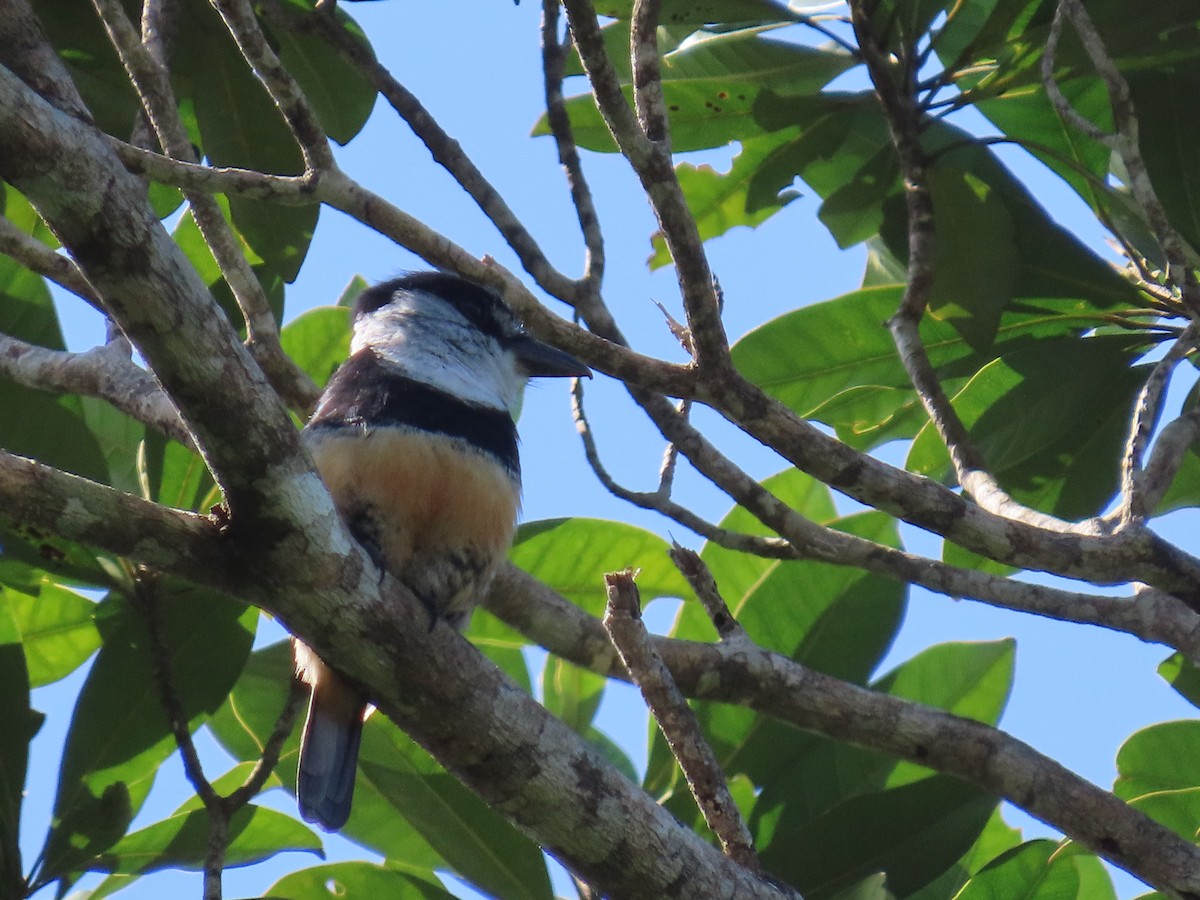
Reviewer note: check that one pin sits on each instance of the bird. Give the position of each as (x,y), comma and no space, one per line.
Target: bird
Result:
(415,438)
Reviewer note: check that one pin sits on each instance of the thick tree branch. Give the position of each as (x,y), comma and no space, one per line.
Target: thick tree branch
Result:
(100,214)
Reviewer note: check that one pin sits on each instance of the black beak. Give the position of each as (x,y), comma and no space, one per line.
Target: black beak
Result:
(543,361)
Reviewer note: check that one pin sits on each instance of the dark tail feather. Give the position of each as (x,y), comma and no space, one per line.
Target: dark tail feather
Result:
(328,758)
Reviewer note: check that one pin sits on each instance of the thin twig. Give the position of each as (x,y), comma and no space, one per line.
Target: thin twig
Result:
(700,577)
(623,622)
(37,257)
(268,758)
(553,65)
(660,499)
(446,151)
(1125,141)
(652,163)
(146,598)
(1146,414)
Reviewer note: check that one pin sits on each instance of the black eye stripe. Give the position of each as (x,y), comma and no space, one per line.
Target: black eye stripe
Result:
(478,305)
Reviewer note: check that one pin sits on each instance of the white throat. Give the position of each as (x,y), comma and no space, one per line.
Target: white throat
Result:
(430,342)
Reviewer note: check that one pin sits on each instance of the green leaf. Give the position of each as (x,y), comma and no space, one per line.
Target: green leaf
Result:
(1166,135)
(736,573)
(721,201)
(1183,675)
(996,838)
(1178,810)
(913,833)
(21,723)
(1163,757)
(57,631)
(341,98)
(571,556)
(973,279)
(318,341)
(1050,418)
(181,841)
(479,844)
(1029,872)
(571,693)
(240,126)
(358,881)
(710,85)
(175,475)
(119,734)
(37,423)
(246,719)
(95,69)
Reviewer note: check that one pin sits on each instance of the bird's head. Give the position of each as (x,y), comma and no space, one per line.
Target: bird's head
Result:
(457,336)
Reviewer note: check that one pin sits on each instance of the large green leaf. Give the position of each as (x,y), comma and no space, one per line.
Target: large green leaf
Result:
(836,362)
(710,86)
(1167,135)
(21,723)
(1050,419)
(735,572)
(974,279)
(318,341)
(119,734)
(95,69)
(181,841)
(1028,872)
(35,423)
(1163,757)
(720,201)
(479,844)
(358,881)
(805,777)
(833,618)
(339,95)
(913,833)
(240,126)
(572,556)
(57,630)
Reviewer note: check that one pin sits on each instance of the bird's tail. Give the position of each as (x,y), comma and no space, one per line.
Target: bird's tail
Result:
(329,752)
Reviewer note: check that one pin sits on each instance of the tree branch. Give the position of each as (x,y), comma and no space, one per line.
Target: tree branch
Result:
(553,64)
(623,622)
(106,371)
(651,161)
(773,685)
(151,78)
